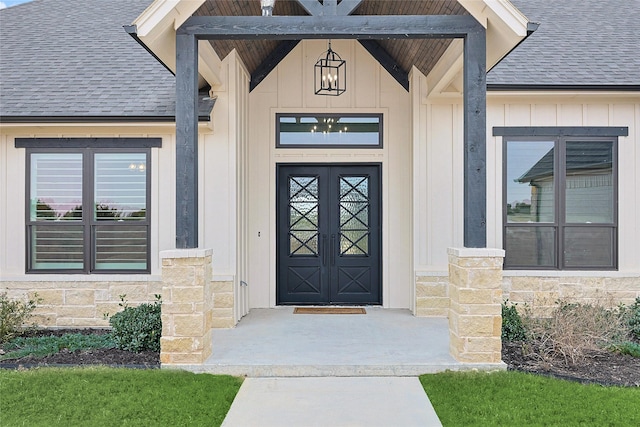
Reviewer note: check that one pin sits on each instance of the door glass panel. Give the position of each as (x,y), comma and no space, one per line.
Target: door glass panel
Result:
(303,215)
(354,215)
(530,181)
(589,182)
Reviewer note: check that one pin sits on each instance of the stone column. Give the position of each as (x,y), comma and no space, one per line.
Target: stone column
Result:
(475,317)
(187,304)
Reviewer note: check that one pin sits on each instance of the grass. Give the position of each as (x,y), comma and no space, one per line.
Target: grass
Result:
(44,346)
(107,396)
(520,399)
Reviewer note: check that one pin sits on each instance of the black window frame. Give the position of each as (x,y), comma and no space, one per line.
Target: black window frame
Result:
(560,137)
(379,145)
(88,147)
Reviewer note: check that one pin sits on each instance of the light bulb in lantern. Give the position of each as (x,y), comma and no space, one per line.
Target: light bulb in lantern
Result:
(267,7)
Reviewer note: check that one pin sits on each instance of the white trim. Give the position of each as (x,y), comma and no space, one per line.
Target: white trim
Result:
(186,253)
(82,278)
(448,67)
(569,273)
(503,9)
(222,278)
(476,252)
(432,273)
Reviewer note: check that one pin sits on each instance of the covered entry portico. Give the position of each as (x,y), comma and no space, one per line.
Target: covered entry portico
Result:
(357,27)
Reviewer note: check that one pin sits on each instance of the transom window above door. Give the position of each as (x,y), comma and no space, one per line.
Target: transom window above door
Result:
(328,130)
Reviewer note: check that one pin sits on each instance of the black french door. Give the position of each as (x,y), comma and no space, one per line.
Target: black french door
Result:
(328,234)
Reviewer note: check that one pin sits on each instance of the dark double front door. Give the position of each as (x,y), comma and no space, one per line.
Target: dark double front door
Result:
(328,234)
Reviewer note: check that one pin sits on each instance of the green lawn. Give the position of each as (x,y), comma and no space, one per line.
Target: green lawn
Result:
(108,397)
(519,399)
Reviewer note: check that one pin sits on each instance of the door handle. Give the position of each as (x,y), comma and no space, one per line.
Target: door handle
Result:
(324,249)
(333,249)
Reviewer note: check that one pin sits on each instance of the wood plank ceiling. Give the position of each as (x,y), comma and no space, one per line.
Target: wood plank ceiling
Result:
(423,53)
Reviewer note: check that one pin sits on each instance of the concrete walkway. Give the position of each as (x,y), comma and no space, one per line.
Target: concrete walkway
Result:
(332,370)
(331,402)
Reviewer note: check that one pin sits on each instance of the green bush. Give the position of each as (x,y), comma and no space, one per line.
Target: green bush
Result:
(630,348)
(633,319)
(512,327)
(14,315)
(137,328)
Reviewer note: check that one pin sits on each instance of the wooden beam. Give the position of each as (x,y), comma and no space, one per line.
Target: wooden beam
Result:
(323,27)
(387,62)
(475,139)
(271,62)
(329,7)
(313,7)
(186,141)
(346,7)
(336,27)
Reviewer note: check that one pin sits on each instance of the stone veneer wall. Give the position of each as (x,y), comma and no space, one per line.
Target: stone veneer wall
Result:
(475,315)
(80,303)
(540,293)
(222,311)
(187,303)
(192,306)
(432,296)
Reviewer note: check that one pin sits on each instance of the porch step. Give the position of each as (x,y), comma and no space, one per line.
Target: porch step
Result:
(384,342)
(257,371)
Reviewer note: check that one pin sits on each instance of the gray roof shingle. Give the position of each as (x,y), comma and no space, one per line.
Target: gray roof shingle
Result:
(71,59)
(593,43)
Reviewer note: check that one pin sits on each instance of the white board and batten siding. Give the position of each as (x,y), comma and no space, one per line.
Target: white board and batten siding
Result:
(370,89)
(438,214)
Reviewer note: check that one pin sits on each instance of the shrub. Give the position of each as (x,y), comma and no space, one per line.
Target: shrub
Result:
(512,327)
(137,328)
(575,330)
(628,347)
(633,319)
(14,315)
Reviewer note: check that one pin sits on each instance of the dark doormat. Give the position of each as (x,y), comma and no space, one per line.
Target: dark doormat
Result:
(329,310)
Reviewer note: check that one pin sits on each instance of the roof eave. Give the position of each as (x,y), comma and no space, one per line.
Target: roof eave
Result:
(156,28)
(506,28)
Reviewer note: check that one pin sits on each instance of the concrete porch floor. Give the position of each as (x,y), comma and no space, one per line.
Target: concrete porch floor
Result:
(383,342)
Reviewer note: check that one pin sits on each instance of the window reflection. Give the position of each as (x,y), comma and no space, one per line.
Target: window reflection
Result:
(530,181)
(589,182)
(329,130)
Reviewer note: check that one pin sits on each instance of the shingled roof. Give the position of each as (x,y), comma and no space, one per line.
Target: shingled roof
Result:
(71,60)
(580,44)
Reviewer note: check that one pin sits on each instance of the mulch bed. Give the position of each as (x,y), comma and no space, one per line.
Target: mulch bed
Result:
(101,356)
(601,367)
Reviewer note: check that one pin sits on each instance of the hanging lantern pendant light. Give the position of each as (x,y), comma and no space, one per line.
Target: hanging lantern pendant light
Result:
(330,74)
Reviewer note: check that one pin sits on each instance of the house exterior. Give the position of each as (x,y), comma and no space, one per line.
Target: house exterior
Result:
(233,185)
